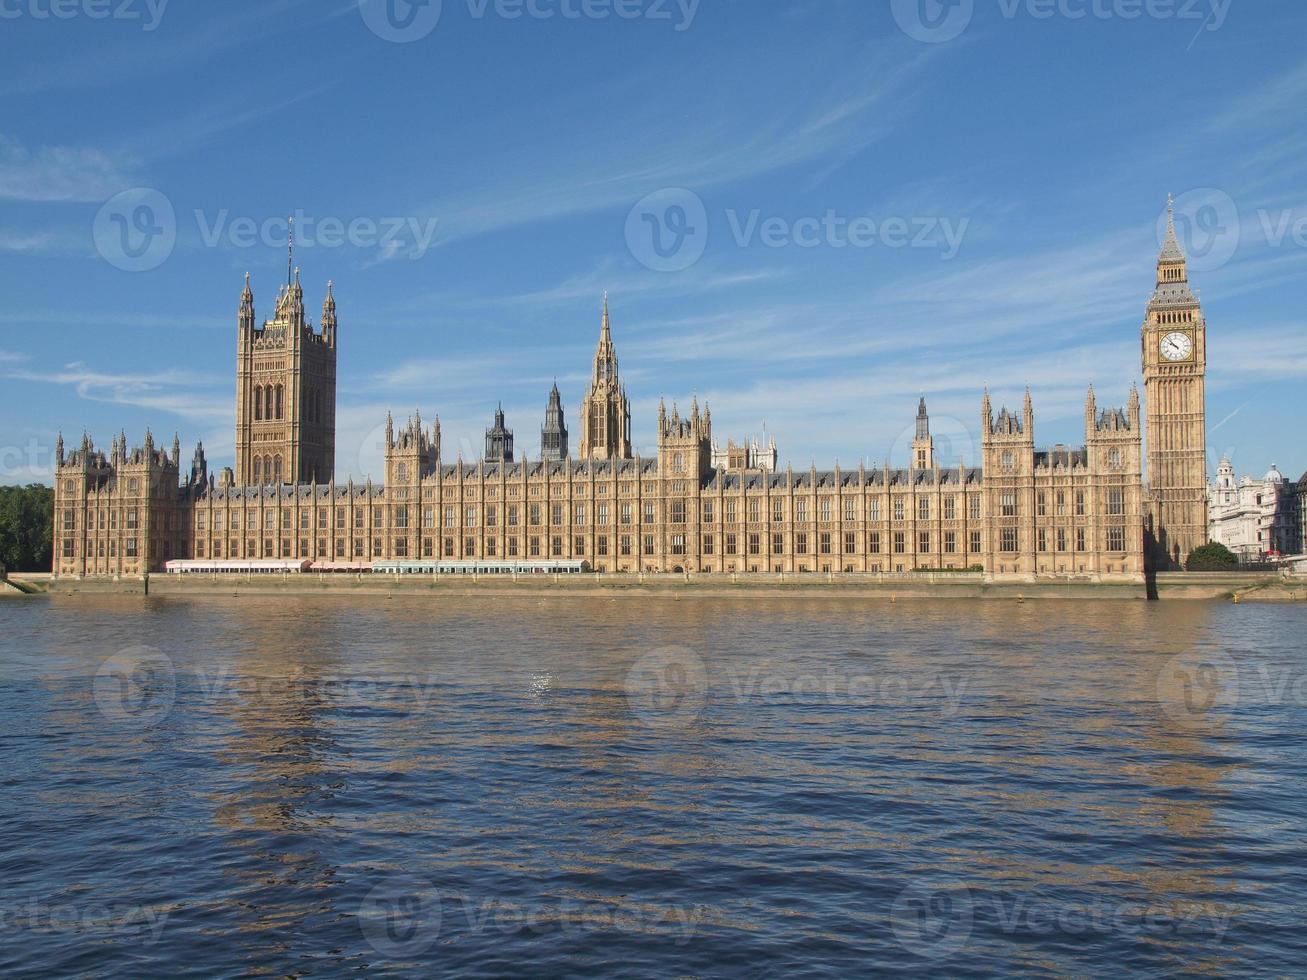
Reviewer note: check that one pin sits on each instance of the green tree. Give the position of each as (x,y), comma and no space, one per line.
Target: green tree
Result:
(1212,557)
(26,528)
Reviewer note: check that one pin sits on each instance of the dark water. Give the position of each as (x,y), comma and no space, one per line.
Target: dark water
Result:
(651,787)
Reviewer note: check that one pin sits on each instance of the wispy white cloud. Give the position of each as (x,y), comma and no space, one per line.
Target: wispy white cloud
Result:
(862,102)
(61,173)
(183,393)
(42,242)
(178,48)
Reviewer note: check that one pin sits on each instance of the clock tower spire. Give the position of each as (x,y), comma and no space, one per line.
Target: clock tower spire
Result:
(1175,368)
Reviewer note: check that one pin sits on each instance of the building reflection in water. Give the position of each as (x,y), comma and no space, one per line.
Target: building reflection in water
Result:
(828,748)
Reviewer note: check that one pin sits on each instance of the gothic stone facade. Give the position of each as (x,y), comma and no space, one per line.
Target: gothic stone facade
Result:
(1068,513)
(285,392)
(1023,513)
(1174,353)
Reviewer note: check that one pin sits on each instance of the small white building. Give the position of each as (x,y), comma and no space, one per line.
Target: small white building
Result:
(1256,519)
(753,455)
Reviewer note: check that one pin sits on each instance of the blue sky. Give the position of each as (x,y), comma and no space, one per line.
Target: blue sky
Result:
(856,202)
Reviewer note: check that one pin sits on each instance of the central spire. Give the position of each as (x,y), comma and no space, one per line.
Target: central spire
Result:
(1171,250)
(605,362)
(605,411)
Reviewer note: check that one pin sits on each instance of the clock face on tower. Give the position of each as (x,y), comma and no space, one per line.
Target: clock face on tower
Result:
(1177,346)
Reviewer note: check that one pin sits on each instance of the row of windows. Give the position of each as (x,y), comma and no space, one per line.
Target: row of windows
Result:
(537,546)
(269,403)
(1115,503)
(897,542)
(1009,539)
(284,519)
(102,549)
(103,520)
(731,544)
(625,512)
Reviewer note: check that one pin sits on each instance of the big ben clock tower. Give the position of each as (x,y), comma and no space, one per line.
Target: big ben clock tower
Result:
(1175,364)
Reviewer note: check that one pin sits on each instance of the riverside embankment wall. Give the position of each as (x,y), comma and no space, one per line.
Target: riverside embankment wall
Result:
(1237,586)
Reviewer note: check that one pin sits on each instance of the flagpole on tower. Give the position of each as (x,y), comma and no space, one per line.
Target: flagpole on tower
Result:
(290,253)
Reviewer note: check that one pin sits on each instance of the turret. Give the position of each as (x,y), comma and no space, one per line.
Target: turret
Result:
(329,317)
(499,440)
(605,410)
(245,317)
(199,467)
(684,444)
(923,447)
(553,434)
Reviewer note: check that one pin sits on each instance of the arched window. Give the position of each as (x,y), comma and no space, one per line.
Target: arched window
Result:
(281,401)
(268,410)
(267,469)
(258,403)
(276,469)
(258,470)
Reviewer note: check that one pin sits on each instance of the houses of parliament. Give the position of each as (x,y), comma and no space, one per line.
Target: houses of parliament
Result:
(1093,513)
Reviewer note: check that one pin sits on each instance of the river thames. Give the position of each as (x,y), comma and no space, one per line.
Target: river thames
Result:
(651,787)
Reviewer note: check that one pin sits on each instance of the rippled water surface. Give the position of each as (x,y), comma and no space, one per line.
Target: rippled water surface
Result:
(640,787)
